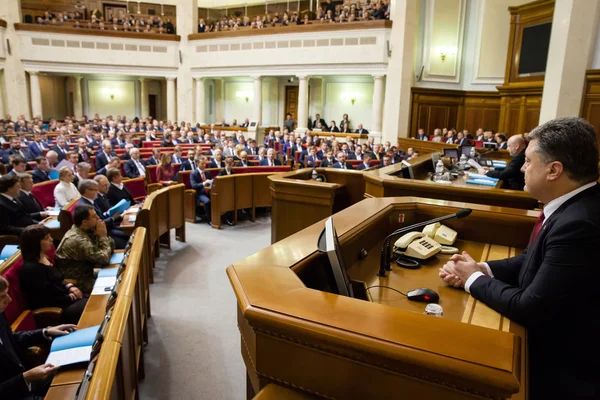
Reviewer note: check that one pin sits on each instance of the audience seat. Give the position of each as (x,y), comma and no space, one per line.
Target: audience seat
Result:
(65,216)
(479,143)
(189,197)
(44,192)
(137,188)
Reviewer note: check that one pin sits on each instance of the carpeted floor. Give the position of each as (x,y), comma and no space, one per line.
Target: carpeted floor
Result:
(194,349)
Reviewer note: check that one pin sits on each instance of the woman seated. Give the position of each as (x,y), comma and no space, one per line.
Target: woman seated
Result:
(42,284)
(65,191)
(165,172)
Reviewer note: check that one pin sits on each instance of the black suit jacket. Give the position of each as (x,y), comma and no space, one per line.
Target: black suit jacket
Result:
(39,176)
(61,155)
(12,383)
(101,159)
(115,195)
(511,175)
(31,205)
(551,289)
(131,170)
(13,217)
(101,205)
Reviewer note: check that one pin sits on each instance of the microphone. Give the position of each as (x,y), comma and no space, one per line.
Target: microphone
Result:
(384,264)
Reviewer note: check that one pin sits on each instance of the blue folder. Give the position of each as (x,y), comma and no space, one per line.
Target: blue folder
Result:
(484,182)
(53,223)
(53,174)
(8,251)
(108,272)
(79,338)
(116,258)
(119,207)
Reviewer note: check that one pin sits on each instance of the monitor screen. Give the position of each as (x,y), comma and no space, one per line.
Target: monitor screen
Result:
(252,124)
(452,153)
(535,44)
(407,170)
(490,145)
(331,245)
(466,150)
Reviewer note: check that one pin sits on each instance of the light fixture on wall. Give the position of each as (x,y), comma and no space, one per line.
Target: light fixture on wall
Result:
(244,95)
(350,96)
(444,51)
(111,92)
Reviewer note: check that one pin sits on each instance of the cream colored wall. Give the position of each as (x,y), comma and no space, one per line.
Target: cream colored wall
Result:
(337,103)
(445,23)
(235,107)
(53,96)
(124,101)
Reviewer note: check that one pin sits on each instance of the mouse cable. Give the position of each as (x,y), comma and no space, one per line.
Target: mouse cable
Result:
(387,287)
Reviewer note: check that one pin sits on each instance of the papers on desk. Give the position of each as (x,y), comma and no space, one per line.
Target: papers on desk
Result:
(53,213)
(119,207)
(52,224)
(116,258)
(132,218)
(73,348)
(108,273)
(8,251)
(498,164)
(104,285)
(484,182)
(476,165)
(479,176)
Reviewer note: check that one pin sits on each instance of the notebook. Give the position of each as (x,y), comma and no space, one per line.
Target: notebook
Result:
(73,348)
(116,258)
(484,182)
(53,223)
(8,251)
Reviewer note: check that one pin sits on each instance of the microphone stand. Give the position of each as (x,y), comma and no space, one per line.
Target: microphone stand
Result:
(384,262)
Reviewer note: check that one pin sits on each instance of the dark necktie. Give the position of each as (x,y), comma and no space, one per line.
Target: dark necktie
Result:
(537,227)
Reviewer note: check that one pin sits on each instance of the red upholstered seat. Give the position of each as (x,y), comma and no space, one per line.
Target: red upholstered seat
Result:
(479,143)
(136,187)
(248,170)
(176,167)
(297,156)
(277,146)
(122,167)
(151,170)
(184,177)
(45,192)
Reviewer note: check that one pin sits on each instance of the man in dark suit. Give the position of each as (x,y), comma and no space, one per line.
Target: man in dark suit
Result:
(61,148)
(365,164)
(421,135)
(135,166)
(318,120)
(13,217)
(117,191)
(551,288)
(40,173)
(17,150)
(154,158)
(512,175)
(201,181)
(30,203)
(341,163)
(243,162)
(270,161)
(361,130)
(104,156)
(328,160)
(36,147)
(16,382)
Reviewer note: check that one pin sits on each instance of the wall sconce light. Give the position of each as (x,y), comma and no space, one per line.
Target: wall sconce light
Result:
(244,95)
(351,96)
(111,92)
(444,51)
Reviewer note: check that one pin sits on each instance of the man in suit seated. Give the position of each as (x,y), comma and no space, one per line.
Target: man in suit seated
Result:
(29,202)
(318,120)
(243,162)
(228,170)
(312,160)
(421,135)
(114,162)
(104,156)
(117,190)
(84,153)
(84,247)
(361,130)
(512,175)
(13,216)
(189,164)
(135,166)
(201,181)
(502,143)
(366,162)
(328,160)
(17,150)
(62,148)
(341,163)
(154,159)
(40,173)
(16,381)
(36,147)
(18,164)
(551,288)
(270,161)
(358,152)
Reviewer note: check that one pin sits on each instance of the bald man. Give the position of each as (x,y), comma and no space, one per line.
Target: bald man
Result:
(512,176)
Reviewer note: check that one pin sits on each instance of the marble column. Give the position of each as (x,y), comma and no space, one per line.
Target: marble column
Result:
(302,103)
(376,119)
(144,102)
(77,99)
(171,106)
(187,23)
(36,94)
(399,78)
(570,49)
(257,106)
(200,104)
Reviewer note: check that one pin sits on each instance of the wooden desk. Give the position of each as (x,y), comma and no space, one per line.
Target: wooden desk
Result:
(350,348)
(62,392)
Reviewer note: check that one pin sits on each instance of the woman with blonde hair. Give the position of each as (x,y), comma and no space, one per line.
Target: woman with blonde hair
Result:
(65,190)
(165,172)
(237,150)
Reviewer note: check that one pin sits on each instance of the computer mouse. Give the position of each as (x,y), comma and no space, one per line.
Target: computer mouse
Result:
(425,295)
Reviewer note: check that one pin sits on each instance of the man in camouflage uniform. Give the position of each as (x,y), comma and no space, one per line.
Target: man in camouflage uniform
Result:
(84,247)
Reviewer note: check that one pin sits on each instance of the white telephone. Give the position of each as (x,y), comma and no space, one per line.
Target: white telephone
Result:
(417,245)
(441,233)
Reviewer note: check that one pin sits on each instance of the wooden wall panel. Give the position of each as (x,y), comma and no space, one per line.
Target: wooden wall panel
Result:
(590,106)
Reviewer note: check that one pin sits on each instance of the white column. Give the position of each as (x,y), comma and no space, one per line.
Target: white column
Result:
(187,23)
(571,44)
(36,94)
(1,95)
(200,105)
(77,102)
(378,93)
(171,115)
(399,78)
(15,80)
(257,106)
(144,102)
(302,103)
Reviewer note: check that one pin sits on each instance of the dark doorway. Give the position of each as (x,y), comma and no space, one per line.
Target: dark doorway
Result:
(151,106)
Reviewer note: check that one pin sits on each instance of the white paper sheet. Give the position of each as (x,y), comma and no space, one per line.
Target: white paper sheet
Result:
(70,356)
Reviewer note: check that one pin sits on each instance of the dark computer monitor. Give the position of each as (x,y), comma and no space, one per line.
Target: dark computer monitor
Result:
(466,150)
(407,170)
(330,244)
(490,145)
(452,153)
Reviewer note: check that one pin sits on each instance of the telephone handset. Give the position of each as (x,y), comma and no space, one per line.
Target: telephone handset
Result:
(441,233)
(417,245)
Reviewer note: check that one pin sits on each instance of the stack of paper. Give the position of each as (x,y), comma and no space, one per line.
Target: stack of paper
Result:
(52,224)
(104,284)
(484,182)
(73,348)
(116,258)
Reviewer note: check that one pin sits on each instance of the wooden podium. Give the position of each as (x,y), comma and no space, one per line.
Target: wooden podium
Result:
(297,334)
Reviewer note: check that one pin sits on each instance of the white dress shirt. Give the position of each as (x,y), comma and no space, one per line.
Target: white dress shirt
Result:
(65,192)
(549,209)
